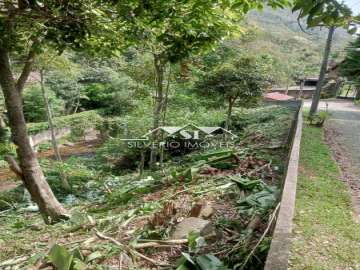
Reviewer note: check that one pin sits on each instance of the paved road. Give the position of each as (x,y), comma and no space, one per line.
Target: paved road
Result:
(343,134)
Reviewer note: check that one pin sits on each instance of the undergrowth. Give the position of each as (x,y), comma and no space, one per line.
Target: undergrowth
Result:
(243,182)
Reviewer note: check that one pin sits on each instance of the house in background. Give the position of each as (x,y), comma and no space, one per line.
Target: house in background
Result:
(305,87)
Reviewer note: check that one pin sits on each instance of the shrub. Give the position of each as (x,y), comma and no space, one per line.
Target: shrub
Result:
(240,83)
(115,97)
(318,119)
(79,122)
(11,197)
(34,104)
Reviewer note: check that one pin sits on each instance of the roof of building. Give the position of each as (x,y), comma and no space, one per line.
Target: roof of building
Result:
(277,96)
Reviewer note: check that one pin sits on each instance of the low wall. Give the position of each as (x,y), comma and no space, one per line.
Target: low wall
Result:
(46,135)
(278,255)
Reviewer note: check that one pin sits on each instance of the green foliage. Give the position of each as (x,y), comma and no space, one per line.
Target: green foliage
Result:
(115,97)
(78,122)
(63,259)
(324,12)
(350,67)
(67,88)
(241,81)
(318,119)
(259,203)
(60,24)
(112,126)
(11,197)
(202,262)
(7,148)
(76,172)
(34,104)
(129,190)
(263,122)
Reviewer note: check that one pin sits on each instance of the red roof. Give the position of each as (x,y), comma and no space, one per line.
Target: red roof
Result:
(277,96)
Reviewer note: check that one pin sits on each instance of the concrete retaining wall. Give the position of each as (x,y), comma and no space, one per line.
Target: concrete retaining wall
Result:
(46,135)
(278,255)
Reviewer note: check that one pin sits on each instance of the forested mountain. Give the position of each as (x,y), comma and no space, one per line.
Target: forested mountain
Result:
(278,33)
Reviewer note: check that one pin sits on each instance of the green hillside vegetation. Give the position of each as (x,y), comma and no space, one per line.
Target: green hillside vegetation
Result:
(135,134)
(299,54)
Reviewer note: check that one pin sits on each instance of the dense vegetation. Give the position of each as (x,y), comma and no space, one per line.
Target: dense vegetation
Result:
(106,83)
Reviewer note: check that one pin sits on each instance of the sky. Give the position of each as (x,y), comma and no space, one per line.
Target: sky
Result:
(354,5)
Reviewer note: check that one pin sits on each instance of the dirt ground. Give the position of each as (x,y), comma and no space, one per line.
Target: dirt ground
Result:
(342,132)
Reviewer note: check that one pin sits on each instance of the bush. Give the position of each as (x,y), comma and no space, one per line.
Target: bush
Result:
(11,197)
(78,122)
(7,149)
(116,153)
(77,174)
(318,119)
(34,104)
(115,97)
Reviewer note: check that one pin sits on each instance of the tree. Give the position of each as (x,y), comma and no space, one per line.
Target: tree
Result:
(330,14)
(45,62)
(34,104)
(323,69)
(242,82)
(172,30)
(63,77)
(25,26)
(350,68)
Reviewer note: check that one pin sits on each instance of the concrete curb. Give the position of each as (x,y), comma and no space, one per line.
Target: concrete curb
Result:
(278,255)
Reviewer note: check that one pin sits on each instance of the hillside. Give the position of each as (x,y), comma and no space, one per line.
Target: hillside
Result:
(279,34)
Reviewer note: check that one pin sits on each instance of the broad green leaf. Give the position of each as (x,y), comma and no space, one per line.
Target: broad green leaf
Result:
(78,265)
(188,257)
(209,262)
(93,256)
(60,257)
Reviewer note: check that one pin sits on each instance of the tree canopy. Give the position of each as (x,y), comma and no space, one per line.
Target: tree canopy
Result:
(350,67)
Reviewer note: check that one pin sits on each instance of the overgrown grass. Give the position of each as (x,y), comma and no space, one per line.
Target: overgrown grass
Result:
(326,235)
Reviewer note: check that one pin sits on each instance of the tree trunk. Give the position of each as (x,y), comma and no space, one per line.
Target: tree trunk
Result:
(317,94)
(357,97)
(64,181)
(228,118)
(158,104)
(166,98)
(302,82)
(184,69)
(32,175)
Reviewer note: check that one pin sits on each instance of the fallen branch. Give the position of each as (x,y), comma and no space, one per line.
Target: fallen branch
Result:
(160,243)
(153,245)
(171,241)
(262,237)
(176,194)
(12,262)
(259,169)
(127,248)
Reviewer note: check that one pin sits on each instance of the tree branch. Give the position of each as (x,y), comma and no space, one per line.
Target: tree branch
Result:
(14,166)
(26,69)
